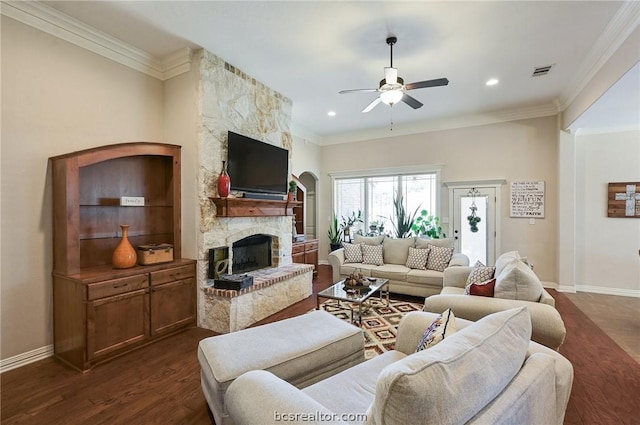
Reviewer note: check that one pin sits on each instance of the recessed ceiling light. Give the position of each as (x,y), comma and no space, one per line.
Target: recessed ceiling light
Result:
(331,113)
(492,82)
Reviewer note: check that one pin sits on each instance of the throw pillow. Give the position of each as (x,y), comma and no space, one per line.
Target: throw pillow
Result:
(484,289)
(480,273)
(518,282)
(352,253)
(368,240)
(417,258)
(439,329)
(396,251)
(439,258)
(453,381)
(372,254)
(505,259)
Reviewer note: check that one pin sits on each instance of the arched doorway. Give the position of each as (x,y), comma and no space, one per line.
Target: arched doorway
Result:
(311,213)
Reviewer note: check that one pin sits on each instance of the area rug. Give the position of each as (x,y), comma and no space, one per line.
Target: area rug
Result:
(379,323)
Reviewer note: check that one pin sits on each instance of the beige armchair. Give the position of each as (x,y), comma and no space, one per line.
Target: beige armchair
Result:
(547,325)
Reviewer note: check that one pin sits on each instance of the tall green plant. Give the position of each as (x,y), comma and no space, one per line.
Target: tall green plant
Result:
(403,222)
(428,225)
(335,231)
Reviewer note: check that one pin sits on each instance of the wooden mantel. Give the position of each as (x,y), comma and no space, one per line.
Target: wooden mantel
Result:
(243,207)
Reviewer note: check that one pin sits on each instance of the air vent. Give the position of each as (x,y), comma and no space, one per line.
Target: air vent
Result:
(541,70)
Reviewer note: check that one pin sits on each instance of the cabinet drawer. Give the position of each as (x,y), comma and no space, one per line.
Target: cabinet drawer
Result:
(297,248)
(171,275)
(311,245)
(117,286)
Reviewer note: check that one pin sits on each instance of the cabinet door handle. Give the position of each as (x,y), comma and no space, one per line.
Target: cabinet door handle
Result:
(122,285)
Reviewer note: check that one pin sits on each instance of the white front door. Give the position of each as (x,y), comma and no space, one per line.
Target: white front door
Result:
(476,242)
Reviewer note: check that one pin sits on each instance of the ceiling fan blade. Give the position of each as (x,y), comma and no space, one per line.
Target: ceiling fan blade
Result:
(411,101)
(428,83)
(356,90)
(391,75)
(371,105)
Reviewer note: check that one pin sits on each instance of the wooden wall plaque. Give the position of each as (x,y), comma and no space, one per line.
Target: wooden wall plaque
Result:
(624,200)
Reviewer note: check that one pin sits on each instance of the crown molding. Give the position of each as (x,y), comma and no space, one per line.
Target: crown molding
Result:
(53,22)
(473,120)
(617,31)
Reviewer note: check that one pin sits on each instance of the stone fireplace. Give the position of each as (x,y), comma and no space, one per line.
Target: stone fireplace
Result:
(230,100)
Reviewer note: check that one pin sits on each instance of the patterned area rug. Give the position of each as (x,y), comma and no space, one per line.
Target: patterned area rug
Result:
(379,323)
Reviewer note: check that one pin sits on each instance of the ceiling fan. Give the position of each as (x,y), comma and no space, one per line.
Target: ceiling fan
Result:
(393,89)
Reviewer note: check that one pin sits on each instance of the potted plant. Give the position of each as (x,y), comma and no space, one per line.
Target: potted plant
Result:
(349,221)
(293,188)
(428,225)
(335,233)
(404,222)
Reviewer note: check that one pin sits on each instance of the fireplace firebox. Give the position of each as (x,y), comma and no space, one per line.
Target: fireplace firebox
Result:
(251,253)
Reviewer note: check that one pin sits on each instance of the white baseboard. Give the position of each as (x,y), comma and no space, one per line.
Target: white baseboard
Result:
(635,293)
(325,262)
(26,358)
(567,288)
(593,289)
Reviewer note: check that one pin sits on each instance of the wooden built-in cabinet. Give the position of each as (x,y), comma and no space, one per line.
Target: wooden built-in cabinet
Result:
(306,252)
(99,311)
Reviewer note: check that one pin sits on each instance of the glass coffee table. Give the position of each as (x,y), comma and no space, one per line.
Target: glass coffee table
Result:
(355,295)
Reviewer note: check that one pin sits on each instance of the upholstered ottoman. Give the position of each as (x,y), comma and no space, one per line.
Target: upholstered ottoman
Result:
(302,350)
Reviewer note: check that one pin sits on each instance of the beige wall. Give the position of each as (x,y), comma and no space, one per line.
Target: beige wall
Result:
(56,98)
(180,127)
(518,150)
(607,255)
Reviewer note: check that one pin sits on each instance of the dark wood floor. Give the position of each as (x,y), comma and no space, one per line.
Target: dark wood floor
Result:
(160,383)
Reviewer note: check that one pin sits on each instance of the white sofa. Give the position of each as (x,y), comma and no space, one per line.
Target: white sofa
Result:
(489,372)
(402,279)
(547,325)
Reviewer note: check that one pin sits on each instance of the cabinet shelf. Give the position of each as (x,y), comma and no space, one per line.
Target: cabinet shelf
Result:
(242,207)
(100,312)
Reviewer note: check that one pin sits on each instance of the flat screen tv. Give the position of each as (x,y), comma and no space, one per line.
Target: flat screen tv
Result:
(255,166)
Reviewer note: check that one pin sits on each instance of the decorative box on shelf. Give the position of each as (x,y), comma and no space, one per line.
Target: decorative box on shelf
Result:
(154,254)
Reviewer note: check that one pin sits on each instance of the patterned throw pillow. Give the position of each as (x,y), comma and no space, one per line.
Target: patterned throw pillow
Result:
(479,274)
(372,254)
(442,327)
(484,289)
(417,258)
(439,258)
(352,253)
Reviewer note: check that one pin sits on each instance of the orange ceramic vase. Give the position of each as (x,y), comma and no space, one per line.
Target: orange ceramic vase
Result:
(124,256)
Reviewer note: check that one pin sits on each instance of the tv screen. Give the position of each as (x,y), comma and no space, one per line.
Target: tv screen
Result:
(256,166)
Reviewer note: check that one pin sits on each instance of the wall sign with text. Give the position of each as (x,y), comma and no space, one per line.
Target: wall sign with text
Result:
(527,199)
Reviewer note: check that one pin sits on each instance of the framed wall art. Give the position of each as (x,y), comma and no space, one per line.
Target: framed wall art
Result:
(623,200)
(527,199)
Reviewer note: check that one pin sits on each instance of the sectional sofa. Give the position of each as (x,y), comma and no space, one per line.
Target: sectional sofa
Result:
(488,372)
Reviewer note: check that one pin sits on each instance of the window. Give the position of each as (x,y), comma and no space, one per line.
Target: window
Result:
(374,195)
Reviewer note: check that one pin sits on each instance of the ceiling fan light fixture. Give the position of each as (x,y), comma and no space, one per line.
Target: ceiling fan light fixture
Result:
(391,97)
(391,75)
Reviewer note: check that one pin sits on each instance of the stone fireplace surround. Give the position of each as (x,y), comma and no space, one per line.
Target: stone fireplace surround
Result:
(230,100)
(274,288)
